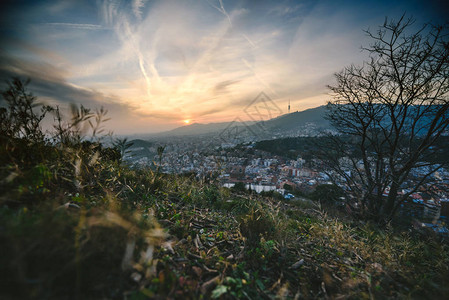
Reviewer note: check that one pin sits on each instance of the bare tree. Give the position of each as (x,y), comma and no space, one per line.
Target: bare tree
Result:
(390,112)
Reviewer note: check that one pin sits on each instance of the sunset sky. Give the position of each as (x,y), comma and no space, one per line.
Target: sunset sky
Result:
(156,65)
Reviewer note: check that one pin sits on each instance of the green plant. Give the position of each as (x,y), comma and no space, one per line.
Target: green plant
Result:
(255,225)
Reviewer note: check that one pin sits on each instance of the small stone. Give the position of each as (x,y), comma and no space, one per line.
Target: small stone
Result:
(136,276)
(297,264)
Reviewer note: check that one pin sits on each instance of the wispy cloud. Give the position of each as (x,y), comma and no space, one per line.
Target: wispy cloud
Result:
(172,62)
(78,26)
(220,8)
(137,6)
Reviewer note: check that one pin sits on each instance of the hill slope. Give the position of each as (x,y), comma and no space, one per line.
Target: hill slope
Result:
(287,123)
(295,120)
(195,129)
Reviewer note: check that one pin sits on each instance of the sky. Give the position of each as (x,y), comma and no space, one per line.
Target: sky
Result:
(157,65)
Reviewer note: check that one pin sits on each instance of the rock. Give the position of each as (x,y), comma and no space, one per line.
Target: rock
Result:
(297,264)
(70,206)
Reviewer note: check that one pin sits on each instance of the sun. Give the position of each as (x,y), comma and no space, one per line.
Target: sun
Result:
(186,121)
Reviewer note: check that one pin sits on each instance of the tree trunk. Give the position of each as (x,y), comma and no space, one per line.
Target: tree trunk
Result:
(387,212)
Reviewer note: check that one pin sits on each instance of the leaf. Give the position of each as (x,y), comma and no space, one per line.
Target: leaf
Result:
(260,284)
(231,280)
(219,290)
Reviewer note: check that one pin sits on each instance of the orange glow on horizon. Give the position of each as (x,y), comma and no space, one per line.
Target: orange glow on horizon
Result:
(186,122)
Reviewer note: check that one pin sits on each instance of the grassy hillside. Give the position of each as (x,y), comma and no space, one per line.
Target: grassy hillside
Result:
(149,235)
(76,223)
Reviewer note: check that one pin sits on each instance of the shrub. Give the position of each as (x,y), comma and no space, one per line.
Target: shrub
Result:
(255,225)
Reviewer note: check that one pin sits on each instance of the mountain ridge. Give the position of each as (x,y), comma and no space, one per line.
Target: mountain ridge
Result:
(285,122)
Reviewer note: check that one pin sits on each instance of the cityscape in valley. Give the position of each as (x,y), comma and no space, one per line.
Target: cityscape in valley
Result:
(233,153)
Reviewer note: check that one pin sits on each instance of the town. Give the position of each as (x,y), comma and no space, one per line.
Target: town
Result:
(261,171)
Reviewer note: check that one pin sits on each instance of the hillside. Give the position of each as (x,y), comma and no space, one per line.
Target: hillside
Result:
(292,147)
(139,149)
(194,129)
(148,235)
(310,122)
(292,122)
(296,120)
(308,147)
(76,223)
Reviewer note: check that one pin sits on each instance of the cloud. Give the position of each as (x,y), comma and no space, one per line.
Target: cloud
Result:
(78,26)
(223,85)
(156,62)
(137,6)
(171,60)
(49,83)
(17,45)
(220,8)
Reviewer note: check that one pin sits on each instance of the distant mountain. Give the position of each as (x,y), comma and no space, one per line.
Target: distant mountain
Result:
(288,124)
(297,120)
(196,129)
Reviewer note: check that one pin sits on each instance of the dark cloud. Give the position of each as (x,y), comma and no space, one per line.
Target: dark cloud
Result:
(49,81)
(221,86)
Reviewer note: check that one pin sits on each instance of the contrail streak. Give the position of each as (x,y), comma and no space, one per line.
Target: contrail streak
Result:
(224,11)
(139,56)
(249,41)
(221,9)
(78,26)
(144,73)
(122,28)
